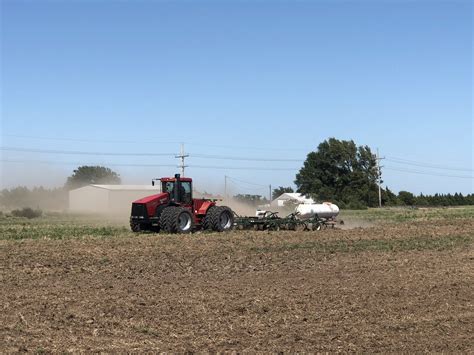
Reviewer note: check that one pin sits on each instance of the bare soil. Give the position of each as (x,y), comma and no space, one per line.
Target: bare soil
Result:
(392,288)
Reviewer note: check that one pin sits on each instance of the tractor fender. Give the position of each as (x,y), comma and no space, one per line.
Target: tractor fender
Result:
(202,209)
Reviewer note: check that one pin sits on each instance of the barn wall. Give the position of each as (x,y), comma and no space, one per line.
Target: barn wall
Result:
(88,199)
(280,201)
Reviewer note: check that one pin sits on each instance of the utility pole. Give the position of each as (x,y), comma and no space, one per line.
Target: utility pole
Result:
(379,171)
(182,156)
(270,195)
(225,186)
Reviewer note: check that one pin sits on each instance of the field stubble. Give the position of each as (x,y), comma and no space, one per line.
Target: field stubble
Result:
(404,286)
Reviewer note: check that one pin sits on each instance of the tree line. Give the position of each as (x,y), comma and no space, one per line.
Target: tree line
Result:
(406,198)
(57,198)
(346,174)
(338,171)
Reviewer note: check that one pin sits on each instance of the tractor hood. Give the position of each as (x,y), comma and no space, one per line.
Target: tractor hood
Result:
(160,198)
(150,203)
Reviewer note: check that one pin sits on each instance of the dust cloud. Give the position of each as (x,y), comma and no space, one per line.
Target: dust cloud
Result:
(239,207)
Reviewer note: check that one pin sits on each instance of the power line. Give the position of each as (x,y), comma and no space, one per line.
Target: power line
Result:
(150,165)
(242,168)
(396,160)
(245,182)
(208,156)
(218,167)
(82,163)
(220,157)
(248,147)
(429,173)
(235,180)
(424,165)
(74,152)
(204,156)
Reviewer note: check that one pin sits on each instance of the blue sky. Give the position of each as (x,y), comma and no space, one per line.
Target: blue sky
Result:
(257,79)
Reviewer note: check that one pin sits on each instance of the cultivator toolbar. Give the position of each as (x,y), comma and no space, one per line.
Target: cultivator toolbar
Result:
(271,221)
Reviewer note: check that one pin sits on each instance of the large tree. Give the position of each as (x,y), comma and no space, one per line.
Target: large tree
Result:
(407,198)
(340,171)
(85,175)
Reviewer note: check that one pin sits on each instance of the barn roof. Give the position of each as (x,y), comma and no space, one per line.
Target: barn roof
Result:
(126,187)
(295,196)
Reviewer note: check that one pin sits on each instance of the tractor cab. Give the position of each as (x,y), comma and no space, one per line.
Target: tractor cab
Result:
(179,189)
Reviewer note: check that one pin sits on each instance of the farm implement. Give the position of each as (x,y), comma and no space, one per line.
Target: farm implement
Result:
(271,221)
(174,210)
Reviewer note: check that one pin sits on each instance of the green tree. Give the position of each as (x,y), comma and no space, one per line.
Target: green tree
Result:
(280,191)
(407,198)
(421,200)
(340,171)
(389,198)
(85,175)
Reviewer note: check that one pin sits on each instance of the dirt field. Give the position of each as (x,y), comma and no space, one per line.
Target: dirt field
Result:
(402,286)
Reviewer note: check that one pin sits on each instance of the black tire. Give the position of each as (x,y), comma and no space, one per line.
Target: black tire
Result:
(274,227)
(183,221)
(218,219)
(165,219)
(300,227)
(207,219)
(176,220)
(135,227)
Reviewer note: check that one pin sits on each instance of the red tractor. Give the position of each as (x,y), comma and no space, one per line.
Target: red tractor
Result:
(175,211)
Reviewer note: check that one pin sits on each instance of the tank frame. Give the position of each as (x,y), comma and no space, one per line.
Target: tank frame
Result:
(271,221)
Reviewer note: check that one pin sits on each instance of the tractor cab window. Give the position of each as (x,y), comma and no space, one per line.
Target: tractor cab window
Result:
(186,192)
(168,187)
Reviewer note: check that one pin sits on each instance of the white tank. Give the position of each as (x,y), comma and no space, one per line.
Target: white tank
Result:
(323,210)
(261,213)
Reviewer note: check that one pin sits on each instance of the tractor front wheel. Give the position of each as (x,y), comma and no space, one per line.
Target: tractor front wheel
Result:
(135,227)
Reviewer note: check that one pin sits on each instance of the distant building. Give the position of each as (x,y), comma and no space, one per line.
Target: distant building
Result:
(108,199)
(290,196)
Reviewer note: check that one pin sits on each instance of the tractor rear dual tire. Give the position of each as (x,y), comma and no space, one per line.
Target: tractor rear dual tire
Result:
(176,219)
(218,219)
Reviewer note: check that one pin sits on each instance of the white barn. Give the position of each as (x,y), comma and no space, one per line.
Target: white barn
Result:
(108,199)
(290,196)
